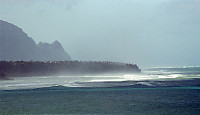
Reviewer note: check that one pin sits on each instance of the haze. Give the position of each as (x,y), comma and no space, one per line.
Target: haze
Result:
(148,33)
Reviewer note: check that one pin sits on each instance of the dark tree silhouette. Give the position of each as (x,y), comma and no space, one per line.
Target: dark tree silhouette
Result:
(31,68)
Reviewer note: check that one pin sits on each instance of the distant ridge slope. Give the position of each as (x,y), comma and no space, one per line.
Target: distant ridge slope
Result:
(16,45)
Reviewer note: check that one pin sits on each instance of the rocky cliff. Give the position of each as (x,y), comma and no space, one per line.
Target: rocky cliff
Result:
(17,45)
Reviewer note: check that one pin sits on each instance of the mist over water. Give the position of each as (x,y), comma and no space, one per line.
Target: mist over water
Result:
(147,33)
(146,78)
(154,91)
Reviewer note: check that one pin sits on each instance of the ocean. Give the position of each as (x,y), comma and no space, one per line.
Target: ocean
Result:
(157,91)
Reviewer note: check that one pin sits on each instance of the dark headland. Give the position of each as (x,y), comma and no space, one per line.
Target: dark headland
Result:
(45,59)
(31,68)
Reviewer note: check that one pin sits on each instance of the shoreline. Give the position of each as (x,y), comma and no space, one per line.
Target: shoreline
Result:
(112,85)
(36,68)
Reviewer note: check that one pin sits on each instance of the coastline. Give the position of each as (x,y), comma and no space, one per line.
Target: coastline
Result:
(36,68)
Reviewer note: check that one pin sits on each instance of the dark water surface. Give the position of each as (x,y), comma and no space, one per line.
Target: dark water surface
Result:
(118,100)
(156,91)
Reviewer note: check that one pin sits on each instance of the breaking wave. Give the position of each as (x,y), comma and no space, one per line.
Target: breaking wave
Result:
(151,77)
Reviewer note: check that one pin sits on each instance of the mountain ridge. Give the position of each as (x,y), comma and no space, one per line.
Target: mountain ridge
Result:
(17,45)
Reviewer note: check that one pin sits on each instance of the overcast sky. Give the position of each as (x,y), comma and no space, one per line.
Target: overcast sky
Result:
(145,32)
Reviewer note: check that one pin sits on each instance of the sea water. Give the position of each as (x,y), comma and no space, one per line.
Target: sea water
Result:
(154,91)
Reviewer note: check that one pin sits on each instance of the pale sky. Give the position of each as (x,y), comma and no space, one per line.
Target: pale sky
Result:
(145,32)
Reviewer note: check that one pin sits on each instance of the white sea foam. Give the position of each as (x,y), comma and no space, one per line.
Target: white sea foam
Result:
(137,77)
(145,83)
(77,81)
(170,76)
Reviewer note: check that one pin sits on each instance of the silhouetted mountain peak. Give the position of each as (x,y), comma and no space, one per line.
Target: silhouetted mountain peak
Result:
(17,45)
(56,43)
